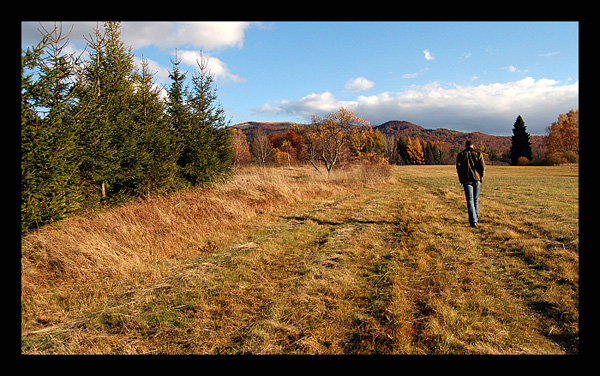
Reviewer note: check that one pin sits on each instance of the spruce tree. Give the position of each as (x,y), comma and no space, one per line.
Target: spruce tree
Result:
(178,113)
(521,146)
(48,152)
(403,156)
(126,134)
(176,108)
(98,158)
(428,153)
(207,150)
(110,138)
(156,154)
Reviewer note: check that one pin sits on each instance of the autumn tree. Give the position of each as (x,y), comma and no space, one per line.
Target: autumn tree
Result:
(415,151)
(241,149)
(390,149)
(288,149)
(261,147)
(563,138)
(326,137)
(364,143)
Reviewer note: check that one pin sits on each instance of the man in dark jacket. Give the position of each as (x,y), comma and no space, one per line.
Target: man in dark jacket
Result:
(470,168)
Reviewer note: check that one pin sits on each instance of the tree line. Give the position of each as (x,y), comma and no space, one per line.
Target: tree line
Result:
(339,137)
(562,142)
(96,131)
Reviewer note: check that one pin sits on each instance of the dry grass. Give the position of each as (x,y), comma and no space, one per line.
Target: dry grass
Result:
(360,265)
(68,268)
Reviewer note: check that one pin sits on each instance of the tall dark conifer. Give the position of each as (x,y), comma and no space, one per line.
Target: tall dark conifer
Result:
(521,146)
(156,153)
(98,161)
(110,138)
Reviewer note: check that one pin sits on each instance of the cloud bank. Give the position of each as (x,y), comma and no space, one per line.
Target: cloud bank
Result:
(202,35)
(490,108)
(190,37)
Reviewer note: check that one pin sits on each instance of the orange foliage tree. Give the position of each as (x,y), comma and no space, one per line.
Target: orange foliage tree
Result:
(241,150)
(325,138)
(563,138)
(415,151)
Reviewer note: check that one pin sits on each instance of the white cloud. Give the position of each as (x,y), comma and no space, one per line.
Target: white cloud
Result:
(513,69)
(215,65)
(488,108)
(428,55)
(303,107)
(155,68)
(410,75)
(549,54)
(358,84)
(204,35)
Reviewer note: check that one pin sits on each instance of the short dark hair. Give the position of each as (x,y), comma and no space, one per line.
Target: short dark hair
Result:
(468,144)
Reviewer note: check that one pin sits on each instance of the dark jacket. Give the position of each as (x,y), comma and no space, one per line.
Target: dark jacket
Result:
(470,165)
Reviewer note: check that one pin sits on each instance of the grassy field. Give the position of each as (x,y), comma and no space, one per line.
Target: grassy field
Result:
(282,261)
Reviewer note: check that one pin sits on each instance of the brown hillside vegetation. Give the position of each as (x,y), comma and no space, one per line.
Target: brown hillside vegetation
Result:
(361,265)
(406,129)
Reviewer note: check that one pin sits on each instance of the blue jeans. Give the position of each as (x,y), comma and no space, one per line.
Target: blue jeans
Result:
(472,194)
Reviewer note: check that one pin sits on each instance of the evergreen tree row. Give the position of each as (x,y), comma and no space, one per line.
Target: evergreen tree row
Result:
(99,131)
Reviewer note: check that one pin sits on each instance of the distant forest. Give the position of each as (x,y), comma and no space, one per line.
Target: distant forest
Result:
(496,148)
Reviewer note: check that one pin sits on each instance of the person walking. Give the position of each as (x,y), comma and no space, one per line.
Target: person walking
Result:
(470,167)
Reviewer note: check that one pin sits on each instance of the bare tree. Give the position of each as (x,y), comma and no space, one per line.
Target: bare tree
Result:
(261,147)
(390,148)
(326,138)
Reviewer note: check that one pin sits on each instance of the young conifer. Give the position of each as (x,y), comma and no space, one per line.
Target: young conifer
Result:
(48,152)
(207,151)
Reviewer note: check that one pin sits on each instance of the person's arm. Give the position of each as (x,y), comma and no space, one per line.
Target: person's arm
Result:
(482,166)
(458,167)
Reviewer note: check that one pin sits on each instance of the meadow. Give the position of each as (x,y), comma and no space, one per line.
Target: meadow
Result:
(284,261)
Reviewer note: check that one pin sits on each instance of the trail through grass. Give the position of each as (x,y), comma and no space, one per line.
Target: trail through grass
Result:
(388,268)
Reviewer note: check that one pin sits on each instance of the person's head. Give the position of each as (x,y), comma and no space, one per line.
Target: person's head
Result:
(468,144)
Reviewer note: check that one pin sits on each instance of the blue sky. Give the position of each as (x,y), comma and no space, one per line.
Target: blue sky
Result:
(468,76)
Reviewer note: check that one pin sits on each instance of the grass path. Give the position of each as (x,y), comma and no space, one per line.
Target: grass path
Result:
(394,269)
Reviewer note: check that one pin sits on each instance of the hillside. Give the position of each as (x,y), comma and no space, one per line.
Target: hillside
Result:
(405,129)
(251,127)
(451,137)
